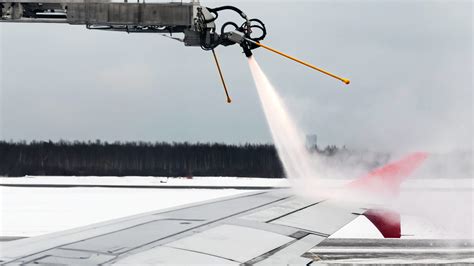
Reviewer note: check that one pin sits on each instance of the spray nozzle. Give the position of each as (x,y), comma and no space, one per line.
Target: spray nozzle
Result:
(247,51)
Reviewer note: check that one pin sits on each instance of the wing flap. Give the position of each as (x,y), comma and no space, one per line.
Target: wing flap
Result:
(163,255)
(291,254)
(324,218)
(232,242)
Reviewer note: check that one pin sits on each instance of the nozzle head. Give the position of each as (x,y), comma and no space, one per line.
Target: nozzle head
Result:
(246,47)
(346,81)
(248,52)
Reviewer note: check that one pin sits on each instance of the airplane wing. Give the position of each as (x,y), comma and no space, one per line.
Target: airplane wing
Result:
(262,228)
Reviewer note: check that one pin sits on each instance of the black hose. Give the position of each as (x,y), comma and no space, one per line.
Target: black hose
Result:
(249,31)
(233,8)
(227,24)
(245,28)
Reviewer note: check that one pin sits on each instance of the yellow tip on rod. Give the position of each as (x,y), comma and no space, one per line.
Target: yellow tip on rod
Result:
(346,81)
(229,100)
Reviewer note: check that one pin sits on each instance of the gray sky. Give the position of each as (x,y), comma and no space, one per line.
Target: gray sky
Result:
(410,63)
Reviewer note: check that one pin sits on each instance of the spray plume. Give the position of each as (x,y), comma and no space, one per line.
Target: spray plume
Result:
(304,170)
(299,165)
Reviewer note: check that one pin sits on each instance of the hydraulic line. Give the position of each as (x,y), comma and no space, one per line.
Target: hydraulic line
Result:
(221,8)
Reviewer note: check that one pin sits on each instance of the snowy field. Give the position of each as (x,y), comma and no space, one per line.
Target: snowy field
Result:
(147,181)
(31,211)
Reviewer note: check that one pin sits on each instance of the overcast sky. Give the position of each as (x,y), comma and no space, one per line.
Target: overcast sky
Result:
(410,63)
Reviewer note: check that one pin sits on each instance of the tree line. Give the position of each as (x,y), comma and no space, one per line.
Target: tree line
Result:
(138,159)
(97,158)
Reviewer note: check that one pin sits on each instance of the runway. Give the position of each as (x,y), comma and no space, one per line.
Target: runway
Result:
(393,251)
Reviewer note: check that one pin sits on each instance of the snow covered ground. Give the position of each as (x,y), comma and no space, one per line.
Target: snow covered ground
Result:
(36,211)
(460,183)
(147,181)
(30,211)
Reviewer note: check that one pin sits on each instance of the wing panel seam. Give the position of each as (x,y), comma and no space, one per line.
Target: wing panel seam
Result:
(291,212)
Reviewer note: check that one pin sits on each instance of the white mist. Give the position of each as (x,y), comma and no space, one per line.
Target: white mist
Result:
(300,166)
(451,212)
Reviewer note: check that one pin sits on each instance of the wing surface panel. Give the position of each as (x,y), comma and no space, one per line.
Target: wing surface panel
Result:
(210,233)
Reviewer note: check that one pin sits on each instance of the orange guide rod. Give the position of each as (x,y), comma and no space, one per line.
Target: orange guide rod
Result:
(229,100)
(346,81)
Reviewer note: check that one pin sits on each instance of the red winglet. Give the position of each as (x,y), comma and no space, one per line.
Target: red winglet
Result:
(388,178)
(386,221)
(385,181)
